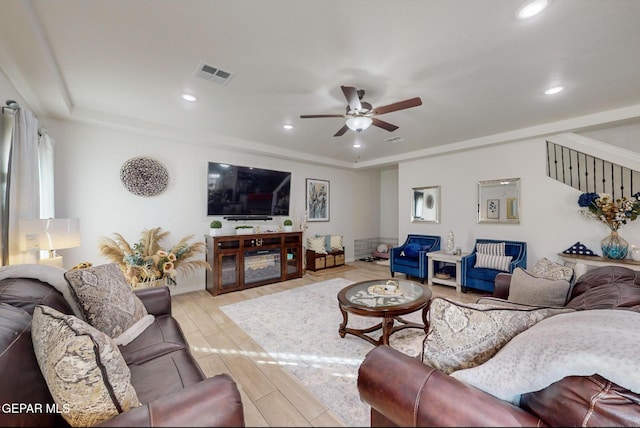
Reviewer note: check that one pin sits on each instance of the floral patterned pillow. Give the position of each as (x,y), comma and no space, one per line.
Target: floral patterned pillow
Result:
(545,268)
(108,303)
(86,374)
(464,335)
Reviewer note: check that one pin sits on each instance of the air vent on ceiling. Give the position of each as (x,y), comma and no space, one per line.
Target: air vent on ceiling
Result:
(394,140)
(213,74)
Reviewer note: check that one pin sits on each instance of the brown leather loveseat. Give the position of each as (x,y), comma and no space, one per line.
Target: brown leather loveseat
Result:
(403,391)
(168,381)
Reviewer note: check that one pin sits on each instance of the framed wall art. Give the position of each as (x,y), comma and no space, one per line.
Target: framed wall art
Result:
(317,201)
(493,208)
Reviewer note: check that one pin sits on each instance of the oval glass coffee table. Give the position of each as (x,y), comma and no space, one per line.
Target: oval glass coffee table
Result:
(383,298)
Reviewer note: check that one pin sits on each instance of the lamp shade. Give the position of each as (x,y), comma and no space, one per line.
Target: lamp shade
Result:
(359,123)
(50,234)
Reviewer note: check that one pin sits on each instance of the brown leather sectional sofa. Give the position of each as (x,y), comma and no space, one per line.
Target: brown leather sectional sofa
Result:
(403,391)
(169,383)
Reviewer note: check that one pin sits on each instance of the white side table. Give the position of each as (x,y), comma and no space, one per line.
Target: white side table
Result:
(442,256)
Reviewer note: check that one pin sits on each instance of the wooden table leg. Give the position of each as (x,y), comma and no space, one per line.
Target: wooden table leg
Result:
(387,329)
(345,318)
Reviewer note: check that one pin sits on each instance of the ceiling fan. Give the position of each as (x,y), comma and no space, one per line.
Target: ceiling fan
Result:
(360,113)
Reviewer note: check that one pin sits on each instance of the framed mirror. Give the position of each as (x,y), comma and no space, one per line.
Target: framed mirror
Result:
(425,204)
(499,201)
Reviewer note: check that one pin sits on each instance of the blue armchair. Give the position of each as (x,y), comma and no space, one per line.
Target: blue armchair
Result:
(482,278)
(411,257)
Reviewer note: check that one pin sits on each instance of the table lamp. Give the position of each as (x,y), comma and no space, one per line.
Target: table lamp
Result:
(51,234)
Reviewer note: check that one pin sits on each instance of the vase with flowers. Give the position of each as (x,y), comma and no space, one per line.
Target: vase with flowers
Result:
(614,213)
(146,263)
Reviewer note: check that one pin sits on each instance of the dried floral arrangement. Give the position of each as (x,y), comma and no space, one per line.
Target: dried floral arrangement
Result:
(146,261)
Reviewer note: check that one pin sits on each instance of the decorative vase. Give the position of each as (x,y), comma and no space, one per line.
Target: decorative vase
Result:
(614,246)
(451,243)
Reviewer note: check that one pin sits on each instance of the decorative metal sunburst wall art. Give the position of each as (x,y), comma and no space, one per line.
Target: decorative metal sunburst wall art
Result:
(144,176)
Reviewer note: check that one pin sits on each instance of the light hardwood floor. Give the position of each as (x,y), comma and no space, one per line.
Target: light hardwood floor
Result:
(270,395)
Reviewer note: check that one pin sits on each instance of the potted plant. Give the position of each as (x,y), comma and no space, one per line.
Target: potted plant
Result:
(244,229)
(288,225)
(215,228)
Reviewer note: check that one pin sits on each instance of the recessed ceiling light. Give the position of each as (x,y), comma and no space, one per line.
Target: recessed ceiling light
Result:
(357,145)
(287,126)
(189,97)
(554,90)
(532,8)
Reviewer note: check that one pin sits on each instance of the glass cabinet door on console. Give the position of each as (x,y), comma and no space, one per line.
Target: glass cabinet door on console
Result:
(227,276)
(292,262)
(224,257)
(293,255)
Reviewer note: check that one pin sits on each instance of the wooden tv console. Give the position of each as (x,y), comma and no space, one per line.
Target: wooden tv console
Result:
(244,261)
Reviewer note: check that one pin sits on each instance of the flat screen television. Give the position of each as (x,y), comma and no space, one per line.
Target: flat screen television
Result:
(242,191)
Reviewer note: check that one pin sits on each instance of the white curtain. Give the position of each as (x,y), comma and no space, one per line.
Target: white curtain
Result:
(45,152)
(24,187)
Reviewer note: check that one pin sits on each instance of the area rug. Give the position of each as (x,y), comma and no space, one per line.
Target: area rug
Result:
(331,270)
(299,328)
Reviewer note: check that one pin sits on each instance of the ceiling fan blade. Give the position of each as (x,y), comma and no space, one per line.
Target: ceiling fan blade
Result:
(310,116)
(341,131)
(384,125)
(400,105)
(351,94)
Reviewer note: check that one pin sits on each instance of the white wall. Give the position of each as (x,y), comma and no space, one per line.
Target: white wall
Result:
(89,158)
(388,210)
(549,217)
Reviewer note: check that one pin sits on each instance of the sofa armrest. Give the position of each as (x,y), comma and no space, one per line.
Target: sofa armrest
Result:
(467,262)
(157,300)
(213,402)
(502,284)
(407,392)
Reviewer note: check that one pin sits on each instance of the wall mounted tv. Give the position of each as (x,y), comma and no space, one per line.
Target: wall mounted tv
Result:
(241,192)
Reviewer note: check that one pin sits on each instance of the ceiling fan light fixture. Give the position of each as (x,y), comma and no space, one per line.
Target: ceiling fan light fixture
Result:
(359,123)
(532,8)
(554,90)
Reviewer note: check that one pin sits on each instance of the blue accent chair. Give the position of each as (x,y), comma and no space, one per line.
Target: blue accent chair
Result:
(411,257)
(484,278)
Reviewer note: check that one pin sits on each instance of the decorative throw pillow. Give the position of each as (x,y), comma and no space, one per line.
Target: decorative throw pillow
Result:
(317,245)
(108,303)
(411,250)
(531,290)
(466,335)
(496,248)
(545,268)
(336,242)
(491,261)
(84,370)
(579,248)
